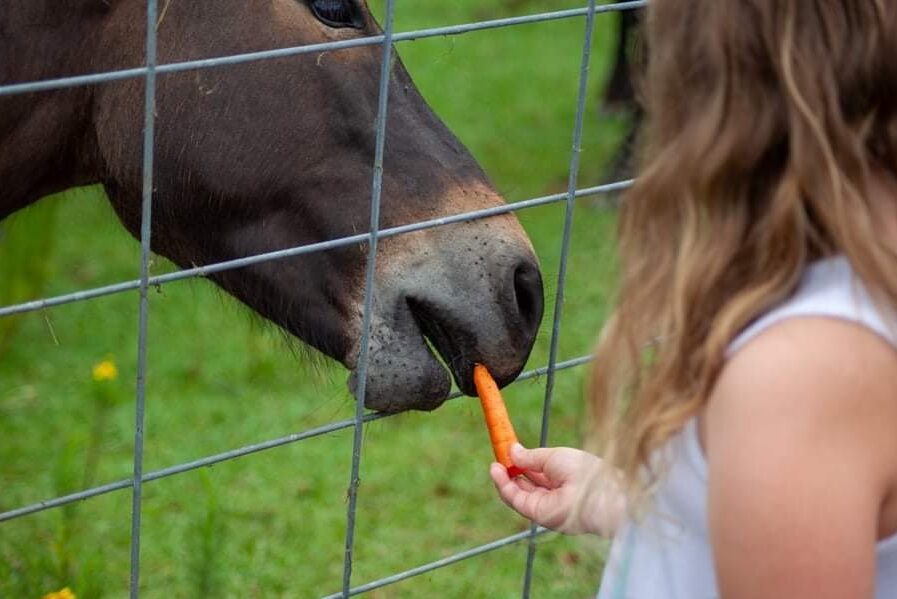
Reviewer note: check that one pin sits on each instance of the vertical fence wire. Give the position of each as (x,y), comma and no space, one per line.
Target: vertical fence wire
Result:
(562,268)
(363,357)
(149,128)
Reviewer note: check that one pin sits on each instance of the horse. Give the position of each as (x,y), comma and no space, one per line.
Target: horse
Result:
(268,155)
(619,94)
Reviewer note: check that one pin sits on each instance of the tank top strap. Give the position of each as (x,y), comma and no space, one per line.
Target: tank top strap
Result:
(828,288)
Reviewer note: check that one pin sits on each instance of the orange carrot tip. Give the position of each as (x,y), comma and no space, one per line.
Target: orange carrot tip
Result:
(498,423)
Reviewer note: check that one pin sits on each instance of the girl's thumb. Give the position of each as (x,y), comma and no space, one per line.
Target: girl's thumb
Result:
(528,459)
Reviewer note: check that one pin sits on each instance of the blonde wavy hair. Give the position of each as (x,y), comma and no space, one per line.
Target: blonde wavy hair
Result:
(767,121)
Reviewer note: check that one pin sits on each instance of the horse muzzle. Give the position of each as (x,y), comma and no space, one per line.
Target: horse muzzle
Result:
(468,293)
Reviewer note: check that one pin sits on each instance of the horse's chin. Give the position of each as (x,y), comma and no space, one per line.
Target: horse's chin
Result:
(402,373)
(425,388)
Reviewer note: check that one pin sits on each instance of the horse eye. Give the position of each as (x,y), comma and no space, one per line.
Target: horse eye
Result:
(337,13)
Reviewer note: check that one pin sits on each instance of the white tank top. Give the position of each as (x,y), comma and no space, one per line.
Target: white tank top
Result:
(667,554)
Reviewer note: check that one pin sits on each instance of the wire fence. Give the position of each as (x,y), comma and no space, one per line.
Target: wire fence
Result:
(149,73)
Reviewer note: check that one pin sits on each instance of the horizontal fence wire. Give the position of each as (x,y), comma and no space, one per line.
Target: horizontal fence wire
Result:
(244,451)
(176,67)
(442,563)
(203,271)
(150,72)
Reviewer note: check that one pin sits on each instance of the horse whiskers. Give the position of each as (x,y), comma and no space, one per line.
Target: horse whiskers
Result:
(454,361)
(162,14)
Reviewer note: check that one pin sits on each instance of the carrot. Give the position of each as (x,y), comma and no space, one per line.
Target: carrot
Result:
(501,432)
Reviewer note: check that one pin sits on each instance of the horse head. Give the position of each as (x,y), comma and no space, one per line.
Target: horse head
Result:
(263,156)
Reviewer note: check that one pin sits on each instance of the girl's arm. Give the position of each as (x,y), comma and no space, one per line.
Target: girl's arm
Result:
(801,441)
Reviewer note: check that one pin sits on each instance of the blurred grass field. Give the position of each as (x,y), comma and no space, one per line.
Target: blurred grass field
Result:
(272,524)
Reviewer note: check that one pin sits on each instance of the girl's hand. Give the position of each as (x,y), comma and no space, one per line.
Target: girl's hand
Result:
(554,483)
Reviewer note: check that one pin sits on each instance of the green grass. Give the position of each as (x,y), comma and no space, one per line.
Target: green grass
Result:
(272,524)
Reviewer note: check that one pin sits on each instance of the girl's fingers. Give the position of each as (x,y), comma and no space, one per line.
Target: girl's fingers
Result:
(510,489)
(499,474)
(520,494)
(507,488)
(552,466)
(539,479)
(529,480)
(525,483)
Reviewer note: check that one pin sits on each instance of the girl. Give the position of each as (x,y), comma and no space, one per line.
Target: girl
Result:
(745,388)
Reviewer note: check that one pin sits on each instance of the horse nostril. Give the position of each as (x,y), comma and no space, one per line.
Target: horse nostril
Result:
(528,294)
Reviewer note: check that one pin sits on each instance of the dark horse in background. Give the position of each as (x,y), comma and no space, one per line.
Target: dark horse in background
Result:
(619,95)
(274,154)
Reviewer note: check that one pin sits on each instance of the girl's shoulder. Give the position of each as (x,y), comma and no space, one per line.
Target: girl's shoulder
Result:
(802,456)
(825,357)
(828,335)
(815,353)
(807,399)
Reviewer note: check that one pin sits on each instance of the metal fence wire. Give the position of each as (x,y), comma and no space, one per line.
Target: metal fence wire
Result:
(149,73)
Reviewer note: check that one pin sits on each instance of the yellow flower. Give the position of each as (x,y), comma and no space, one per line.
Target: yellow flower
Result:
(65,593)
(104,371)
